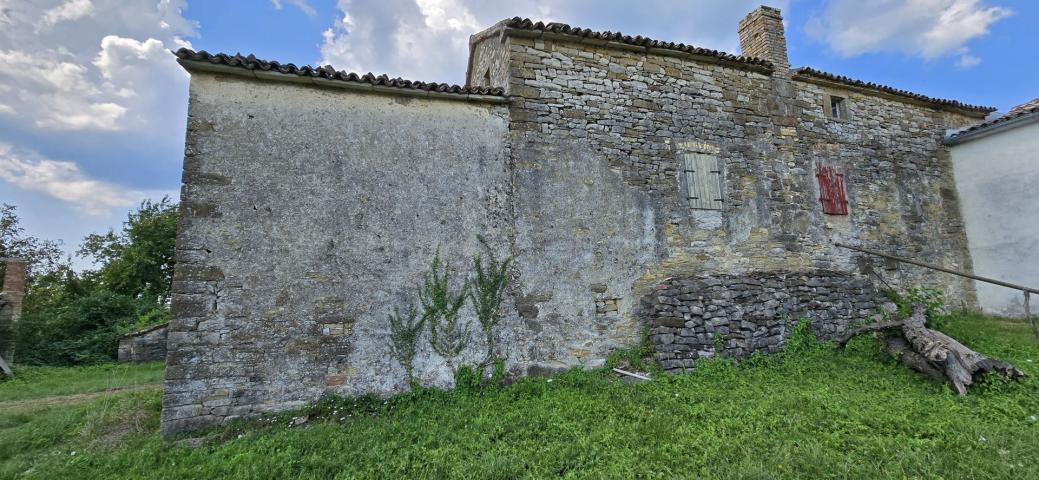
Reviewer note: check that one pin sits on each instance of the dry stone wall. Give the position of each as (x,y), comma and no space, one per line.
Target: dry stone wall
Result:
(689,318)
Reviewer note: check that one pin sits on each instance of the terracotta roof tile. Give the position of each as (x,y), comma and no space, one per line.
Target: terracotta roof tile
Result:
(1023,110)
(327,72)
(811,72)
(1024,106)
(564,29)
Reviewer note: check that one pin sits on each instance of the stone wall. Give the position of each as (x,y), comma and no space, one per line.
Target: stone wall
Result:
(488,61)
(307,215)
(632,112)
(688,318)
(147,345)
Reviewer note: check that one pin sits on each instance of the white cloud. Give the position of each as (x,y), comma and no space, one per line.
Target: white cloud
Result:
(106,72)
(64,181)
(924,28)
(55,94)
(428,39)
(300,4)
(71,10)
(4,108)
(967,60)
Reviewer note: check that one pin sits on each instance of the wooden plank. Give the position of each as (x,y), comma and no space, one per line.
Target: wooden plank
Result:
(1028,315)
(712,182)
(703,181)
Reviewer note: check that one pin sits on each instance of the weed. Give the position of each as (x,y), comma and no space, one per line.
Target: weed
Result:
(487,292)
(405,331)
(441,305)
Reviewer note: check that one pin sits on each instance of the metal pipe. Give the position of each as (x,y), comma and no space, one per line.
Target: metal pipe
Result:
(940,269)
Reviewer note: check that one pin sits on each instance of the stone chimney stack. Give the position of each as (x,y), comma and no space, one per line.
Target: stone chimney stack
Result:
(11,304)
(762,36)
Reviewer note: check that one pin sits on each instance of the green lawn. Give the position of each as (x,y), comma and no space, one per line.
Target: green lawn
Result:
(811,412)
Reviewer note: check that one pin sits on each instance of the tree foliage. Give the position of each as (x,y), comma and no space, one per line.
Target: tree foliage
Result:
(138,261)
(74,317)
(43,255)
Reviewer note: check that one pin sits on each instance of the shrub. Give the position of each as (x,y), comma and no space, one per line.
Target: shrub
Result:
(932,298)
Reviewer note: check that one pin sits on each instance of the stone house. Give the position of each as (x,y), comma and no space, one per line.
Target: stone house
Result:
(640,185)
(996,166)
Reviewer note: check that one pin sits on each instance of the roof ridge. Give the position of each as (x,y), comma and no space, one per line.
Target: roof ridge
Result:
(812,72)
(328,72)
(520,23)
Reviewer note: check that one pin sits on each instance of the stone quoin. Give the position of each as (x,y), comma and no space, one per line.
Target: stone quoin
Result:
(611,167)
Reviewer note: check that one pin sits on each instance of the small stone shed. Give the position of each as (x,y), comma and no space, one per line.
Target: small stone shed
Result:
(146,345)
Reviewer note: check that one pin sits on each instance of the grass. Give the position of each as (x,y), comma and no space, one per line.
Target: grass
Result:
(810,412)
(38,382)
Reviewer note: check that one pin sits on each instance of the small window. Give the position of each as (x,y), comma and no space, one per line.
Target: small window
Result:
(831,190)
(703,181)
(487,77)
(837,107)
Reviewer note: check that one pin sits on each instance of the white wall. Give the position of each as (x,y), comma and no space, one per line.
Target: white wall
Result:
(997,177)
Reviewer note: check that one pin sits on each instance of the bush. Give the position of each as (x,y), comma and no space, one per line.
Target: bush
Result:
(83,330)
(932,298)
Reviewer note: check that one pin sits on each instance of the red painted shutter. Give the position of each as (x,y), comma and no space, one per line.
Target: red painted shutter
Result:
(831,190)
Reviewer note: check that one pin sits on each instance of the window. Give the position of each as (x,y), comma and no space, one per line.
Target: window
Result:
(837,107)
(831,190)
(703,181)
(487,77)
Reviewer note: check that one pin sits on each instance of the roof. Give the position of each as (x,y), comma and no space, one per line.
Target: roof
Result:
(1024,106)
(327,75)
(811,73)
(1025,113)
(146,330)
(526,24)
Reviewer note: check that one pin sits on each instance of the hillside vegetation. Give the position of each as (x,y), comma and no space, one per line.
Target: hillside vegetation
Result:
(811,412)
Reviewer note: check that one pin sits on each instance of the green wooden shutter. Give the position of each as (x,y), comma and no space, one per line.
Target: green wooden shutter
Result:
(703,181)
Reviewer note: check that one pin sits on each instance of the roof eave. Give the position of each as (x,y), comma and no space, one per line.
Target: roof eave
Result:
(193,66)
(991,129)
(977,112)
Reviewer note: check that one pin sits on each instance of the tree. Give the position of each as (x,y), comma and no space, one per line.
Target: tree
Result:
(43,255)
(138,261)
(76,318)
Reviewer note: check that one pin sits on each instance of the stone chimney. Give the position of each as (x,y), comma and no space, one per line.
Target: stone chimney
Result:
(762,36)
(11,304)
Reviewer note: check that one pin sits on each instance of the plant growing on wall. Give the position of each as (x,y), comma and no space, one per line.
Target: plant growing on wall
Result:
(404,333)
(487,292)
(440,307)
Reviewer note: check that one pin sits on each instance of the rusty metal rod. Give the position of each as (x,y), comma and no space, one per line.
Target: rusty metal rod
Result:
(940,269)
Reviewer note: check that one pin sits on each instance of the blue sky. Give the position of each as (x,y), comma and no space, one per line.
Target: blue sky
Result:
(93,106)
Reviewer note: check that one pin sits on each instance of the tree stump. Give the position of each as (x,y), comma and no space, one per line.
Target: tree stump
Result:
(933,353)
